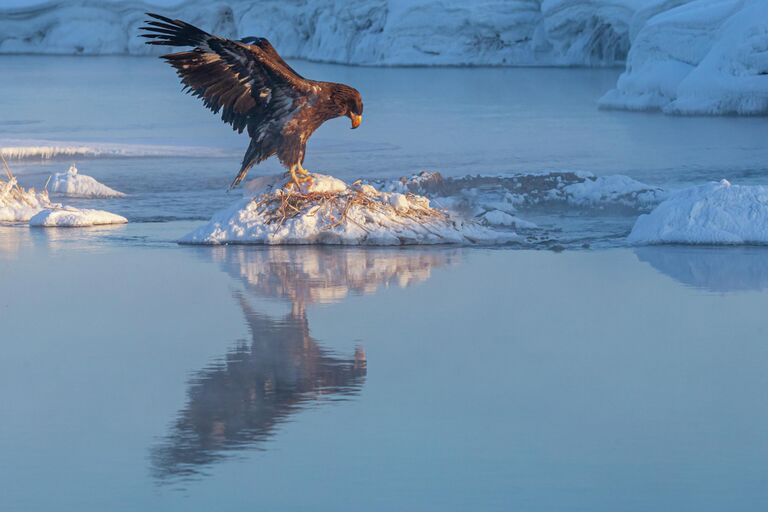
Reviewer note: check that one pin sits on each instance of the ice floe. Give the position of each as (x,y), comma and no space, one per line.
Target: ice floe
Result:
(73,184)
(70,217)
(18,204)
(328,211)
(704,57)
(715,213)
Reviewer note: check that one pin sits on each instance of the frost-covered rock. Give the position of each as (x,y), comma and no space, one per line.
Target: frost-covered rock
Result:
(324,213)
(72,184)
(715,213)
(704,57)
(74,218)
(18,204)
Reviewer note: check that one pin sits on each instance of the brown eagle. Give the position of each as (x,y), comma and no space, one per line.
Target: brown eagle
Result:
(255,89)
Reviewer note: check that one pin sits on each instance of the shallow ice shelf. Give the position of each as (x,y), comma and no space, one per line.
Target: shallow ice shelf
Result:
(715,213)
(74,218)
(328,211)
(72,184)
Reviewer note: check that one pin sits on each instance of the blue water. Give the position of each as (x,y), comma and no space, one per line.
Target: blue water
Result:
(142,375)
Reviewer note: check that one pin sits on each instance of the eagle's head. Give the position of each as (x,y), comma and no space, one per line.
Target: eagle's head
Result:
(348,102)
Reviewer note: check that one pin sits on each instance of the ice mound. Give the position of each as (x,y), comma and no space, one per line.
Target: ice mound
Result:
(72,184)
(715,213)
(70,217)
(328,211)
(18,204)
(704,57)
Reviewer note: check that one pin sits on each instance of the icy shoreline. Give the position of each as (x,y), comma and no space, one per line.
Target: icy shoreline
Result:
(682,56)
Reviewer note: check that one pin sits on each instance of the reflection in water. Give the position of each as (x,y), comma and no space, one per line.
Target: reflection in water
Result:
(717,269)
(240,400)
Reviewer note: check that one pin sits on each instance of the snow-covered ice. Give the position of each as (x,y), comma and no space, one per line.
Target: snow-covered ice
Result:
(328,211)
(715,213)
(704,57)
(74,218)
(683,56)
(18,204)
(73,184)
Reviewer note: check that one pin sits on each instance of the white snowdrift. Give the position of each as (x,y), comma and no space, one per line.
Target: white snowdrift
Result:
(328,211)
(18,204)
(715,213)
(704,57)
(72,184)
(74,218)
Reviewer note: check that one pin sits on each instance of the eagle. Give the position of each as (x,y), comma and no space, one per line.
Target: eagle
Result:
(255,90)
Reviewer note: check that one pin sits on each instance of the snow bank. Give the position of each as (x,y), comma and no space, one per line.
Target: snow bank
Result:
(715,213)
(371,32)
(704,57)
(72,184)
(18,204)
(74,218)
(685,56)
(328,211)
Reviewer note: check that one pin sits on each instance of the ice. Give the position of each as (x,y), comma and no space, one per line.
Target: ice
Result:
(371,32)
(704,57)
(72,184)
(507,193)
(74,218)
(18,204)
(683,56)
(44,149)
(324,213)
(715,213)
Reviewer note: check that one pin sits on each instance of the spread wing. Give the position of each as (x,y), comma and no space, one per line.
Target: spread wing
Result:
(250,84)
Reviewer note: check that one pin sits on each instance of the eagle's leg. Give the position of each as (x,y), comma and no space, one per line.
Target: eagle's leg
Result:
(296,180)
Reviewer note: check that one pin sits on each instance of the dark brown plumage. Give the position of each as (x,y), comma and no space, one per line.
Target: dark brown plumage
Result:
(255,90)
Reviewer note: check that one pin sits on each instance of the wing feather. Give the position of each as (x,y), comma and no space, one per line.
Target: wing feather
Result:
(250,84)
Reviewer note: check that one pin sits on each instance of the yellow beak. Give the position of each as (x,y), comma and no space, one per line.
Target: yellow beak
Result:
(356,120)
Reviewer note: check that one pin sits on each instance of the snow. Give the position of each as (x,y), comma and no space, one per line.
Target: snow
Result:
(18,204)
(324,213)
(715,213)
(72,184)
(682,56)
(704,57)
(74,218)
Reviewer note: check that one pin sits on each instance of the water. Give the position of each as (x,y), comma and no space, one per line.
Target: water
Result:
(142,375)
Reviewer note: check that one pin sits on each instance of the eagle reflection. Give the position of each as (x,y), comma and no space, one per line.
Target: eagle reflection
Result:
(238,402)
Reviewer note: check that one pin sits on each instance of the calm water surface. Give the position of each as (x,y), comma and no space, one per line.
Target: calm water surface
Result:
(226,378)
(141,375)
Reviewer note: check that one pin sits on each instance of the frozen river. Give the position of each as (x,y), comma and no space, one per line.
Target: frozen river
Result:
(142,375)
